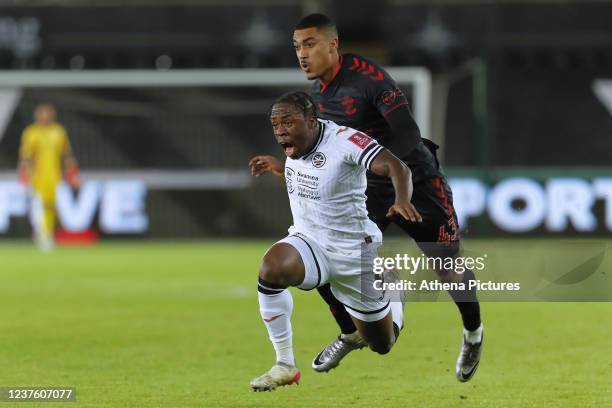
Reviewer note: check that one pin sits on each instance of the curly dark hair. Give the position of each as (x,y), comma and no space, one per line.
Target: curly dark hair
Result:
(301,100)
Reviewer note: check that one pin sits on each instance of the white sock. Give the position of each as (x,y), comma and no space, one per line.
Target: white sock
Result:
(397,313)
(37,218)
(276,312)
(473,337)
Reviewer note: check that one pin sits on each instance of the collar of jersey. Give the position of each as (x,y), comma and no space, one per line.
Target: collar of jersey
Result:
(324,85)
(319,138)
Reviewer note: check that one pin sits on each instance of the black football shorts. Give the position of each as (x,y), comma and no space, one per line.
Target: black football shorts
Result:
(432,198)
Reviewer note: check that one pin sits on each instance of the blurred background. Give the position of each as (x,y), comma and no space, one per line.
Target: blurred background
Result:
(165,102)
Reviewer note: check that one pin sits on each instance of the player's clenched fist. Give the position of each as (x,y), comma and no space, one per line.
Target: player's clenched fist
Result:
(406,210)
(262,164)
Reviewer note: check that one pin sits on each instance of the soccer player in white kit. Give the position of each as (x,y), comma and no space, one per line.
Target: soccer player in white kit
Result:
(332,239)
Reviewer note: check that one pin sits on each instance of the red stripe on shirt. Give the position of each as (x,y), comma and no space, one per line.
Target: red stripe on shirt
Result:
(394,108)
(323,84)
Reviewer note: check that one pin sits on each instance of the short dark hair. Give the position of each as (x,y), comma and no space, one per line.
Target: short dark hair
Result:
(317,20)
(300,100)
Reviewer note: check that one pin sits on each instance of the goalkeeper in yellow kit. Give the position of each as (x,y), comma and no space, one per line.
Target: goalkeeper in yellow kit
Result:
(44,156)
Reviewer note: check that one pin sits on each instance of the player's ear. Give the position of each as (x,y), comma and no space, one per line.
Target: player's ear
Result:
(333,44)
(312,121)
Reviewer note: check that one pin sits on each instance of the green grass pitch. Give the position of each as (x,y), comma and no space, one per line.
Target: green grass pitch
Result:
(177,325)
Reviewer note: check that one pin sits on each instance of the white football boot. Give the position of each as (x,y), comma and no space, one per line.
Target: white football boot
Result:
(280,374)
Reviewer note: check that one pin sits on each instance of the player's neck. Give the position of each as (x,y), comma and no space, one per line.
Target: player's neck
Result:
(329,75)
(315,138)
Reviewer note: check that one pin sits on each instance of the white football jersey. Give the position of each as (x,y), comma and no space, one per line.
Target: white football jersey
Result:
(327,186)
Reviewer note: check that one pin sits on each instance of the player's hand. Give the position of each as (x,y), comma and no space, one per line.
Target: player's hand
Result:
(262,164)
(406,210)
(23,176)
(72,176)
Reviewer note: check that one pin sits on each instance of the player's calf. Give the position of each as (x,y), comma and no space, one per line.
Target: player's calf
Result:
(281,267)
(467,303)
(380,335)
(441,251)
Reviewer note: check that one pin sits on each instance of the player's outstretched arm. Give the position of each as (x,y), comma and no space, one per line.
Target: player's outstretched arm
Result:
(23,171)
(387,165)
(71,171)
(70,167)
(262,164)
(26,153)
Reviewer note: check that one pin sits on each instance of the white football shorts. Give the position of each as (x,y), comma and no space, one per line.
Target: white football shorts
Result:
(350,276)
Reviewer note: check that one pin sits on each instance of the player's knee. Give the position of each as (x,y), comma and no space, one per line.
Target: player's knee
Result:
(445,251)
(381,347)
(272,272)
(450,276)
(282,265)
(276,271)
(381,344)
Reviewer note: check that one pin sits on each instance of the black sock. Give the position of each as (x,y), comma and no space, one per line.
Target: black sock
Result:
(467,303)
(340,314)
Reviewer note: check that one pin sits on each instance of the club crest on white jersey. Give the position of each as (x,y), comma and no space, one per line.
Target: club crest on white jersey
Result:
(326,187)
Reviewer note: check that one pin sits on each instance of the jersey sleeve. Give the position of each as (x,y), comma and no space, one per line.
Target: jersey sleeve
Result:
(387,96)
(66,147)
(392,105)
(357,147)
(26,149)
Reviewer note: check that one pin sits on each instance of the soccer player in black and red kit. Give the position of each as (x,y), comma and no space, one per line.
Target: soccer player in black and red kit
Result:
(353,91)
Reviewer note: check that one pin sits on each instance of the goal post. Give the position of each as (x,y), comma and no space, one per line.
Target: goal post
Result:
(161,144)
(219,104)
(418,78)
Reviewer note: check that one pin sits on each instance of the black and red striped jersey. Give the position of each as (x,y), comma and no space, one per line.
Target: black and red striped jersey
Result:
(362,95)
